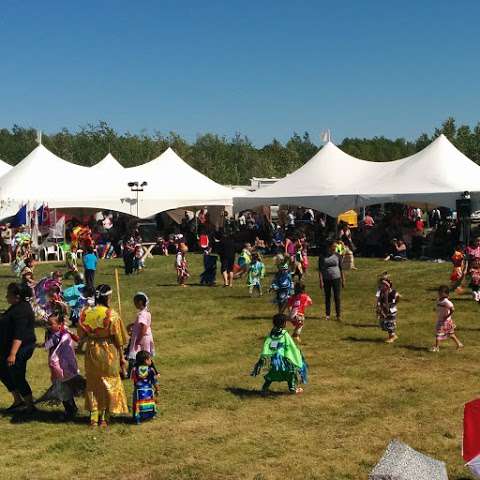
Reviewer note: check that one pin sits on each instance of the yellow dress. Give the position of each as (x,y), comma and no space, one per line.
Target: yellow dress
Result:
(106,335)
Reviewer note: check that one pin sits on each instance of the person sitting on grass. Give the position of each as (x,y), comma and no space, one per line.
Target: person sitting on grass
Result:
(297,304)
(283,359)
(445,327)
(256,271)
(387,300)
(398,251)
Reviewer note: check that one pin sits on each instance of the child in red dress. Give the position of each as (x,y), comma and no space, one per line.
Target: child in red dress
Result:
(297,305)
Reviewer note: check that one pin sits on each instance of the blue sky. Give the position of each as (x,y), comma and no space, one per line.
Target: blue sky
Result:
(264,68)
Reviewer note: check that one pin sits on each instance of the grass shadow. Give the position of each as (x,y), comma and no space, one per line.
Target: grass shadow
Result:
(363,340)
(414,348)
(44,416)
(55,416)
(253,317)
(361,325)
(245,393)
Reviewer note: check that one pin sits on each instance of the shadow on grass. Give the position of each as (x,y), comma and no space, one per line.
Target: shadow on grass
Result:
(245,393)
(363,340)
(253,317)
(414,348)
(55,416)
(361,325)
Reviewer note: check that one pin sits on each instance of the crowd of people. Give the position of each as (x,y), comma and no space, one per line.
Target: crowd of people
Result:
(80,316)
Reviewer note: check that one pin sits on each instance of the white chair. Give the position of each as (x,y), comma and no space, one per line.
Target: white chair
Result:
(50,250)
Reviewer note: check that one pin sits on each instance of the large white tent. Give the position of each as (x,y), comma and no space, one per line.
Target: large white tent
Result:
(43,177)
(109,164)
(4,168)
(172,183)
(333,181)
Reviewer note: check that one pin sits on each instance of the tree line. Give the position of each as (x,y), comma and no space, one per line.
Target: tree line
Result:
(230,161)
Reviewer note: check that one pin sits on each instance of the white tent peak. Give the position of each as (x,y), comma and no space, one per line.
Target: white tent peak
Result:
(4,167)
(107,163)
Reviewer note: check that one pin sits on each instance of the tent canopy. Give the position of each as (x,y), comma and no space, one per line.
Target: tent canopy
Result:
(333,181)
(108,164)
(42,177)
(4,168)
(172,183)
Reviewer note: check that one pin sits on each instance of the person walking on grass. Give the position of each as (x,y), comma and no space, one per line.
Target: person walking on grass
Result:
(282,357)
(90,261)
(387,300)
(297,304)
(17,344)
(106,337)
(331,278)
(445,327)
(181,265)
(256,271)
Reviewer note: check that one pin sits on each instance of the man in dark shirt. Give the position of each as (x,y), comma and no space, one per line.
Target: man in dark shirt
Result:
(17,344)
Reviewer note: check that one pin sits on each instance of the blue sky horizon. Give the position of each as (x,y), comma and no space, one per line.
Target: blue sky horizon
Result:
(264,69)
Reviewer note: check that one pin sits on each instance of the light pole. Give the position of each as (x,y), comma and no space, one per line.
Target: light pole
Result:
(137,187)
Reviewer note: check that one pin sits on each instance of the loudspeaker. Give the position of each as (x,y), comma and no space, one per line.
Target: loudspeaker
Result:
(464,208)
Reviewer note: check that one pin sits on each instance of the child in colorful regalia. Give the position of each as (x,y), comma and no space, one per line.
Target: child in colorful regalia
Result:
(181,265)
(282,357)
(387,299)
(76,297)
(138,259)
(282,284)
(244,261)
(298,303)
(71,263)
(208,276)
(66,380)
(459,268)
(474,274)
(145,387)
(256,271)
(445,326)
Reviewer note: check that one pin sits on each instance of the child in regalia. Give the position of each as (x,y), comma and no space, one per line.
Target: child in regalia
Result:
(459,268)
(282,285)
(66,381)
(182,265)
(474,274)
(256,271)
(145,387)
(208,276)
(387,299)
(282,357)
(298,303)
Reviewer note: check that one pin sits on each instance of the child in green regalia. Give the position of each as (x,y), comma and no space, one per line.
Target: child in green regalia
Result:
(256,271)
(282,357)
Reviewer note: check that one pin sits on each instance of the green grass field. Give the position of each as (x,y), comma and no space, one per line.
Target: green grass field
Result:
(213,424)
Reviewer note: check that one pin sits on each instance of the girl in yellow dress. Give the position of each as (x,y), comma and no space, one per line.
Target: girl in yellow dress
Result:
(105,337)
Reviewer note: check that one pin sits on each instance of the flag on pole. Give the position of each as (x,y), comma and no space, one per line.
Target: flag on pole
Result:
(325,136)
(43,214)
(20,217)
